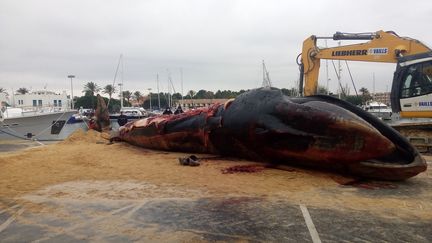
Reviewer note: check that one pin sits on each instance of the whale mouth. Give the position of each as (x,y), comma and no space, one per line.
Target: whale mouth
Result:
(404,162)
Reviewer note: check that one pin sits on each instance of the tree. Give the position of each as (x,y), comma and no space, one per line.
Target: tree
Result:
(191,93)
(110,90)
(89,102)
(322,90)
(22,91)
(293,92)
(365,95)
(241,92)
(86,101)
(176,96)
(3,90)
(209,95)
(91,88)
(354,99)
(226,94)
(201,94)
(138,96)
(127,95)
(364,91)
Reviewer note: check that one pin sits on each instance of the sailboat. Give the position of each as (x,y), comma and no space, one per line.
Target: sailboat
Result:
(132,113)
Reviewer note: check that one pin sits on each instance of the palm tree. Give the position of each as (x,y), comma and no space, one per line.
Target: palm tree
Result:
(91,88)
(127,95)
(138,96)
(191,93)
(365,94)
(2,90)
(22,91)
(109,89)
(322,90)
(364,91)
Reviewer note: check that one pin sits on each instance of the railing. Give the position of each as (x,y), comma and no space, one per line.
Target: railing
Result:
(30,110)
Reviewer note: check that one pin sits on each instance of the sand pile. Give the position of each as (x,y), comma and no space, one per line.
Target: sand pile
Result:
(87,158)
(80,136)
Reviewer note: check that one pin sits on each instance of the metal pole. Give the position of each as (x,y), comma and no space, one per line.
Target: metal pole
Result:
(327,74)
(121,102)
(121,95)
(149,89)
(339,76)
(157,80)
(72,101)
(181,72)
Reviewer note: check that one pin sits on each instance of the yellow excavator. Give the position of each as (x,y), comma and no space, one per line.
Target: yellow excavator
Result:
(411,94)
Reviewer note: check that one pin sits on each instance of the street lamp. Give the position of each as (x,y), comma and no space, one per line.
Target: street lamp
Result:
(72,103)
(149,89)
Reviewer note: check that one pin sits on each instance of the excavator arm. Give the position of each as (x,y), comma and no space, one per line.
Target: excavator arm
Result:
(382,47)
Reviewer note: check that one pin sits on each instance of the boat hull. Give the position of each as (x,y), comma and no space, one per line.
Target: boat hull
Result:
(38,127)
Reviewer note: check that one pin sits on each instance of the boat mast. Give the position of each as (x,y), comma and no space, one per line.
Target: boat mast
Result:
(157,82)
(169,90)
(121,86)
(373,86)
(339,77)
(181,75)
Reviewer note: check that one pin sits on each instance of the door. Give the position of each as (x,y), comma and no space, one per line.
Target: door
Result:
(415,89)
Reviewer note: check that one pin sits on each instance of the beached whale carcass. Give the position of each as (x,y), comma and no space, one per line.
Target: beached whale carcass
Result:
(265,125)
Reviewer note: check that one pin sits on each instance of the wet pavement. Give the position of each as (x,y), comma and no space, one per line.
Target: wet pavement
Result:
(104,212)
(12,145)
(206,219)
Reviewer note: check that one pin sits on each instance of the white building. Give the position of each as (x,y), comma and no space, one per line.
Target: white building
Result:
(42,98)
(4,99)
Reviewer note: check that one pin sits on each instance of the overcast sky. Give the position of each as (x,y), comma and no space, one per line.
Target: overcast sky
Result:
(218,44)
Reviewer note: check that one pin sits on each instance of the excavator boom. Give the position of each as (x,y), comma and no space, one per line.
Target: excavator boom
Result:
(383,47)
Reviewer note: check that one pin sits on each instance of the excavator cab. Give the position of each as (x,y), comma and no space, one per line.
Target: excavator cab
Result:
(411,93)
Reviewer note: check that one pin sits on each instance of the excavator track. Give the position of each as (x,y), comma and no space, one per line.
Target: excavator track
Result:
(418,134)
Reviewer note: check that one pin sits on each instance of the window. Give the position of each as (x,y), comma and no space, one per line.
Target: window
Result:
(34,103)
(55,103)
(39,102)
(417,80)
(59,103)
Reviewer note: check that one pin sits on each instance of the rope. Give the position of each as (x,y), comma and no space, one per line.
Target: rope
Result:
(115,76)
(352,80)
(13,135)
(49,127)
